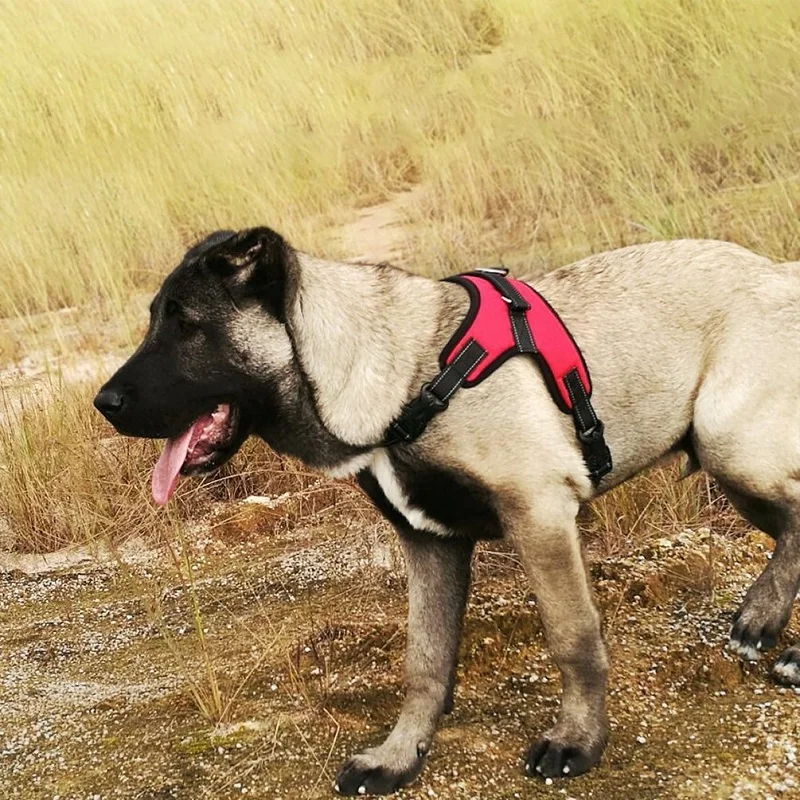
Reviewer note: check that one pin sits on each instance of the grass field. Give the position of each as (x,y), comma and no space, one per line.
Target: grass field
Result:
(541,130)
(538,133)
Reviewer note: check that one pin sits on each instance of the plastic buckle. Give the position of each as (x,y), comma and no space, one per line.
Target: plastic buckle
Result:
(416,415)
(437,403)
(593,435)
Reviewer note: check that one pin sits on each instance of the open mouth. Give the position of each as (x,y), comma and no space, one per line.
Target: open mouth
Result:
(205,445)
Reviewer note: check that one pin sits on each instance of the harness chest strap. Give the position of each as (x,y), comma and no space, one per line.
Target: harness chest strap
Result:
(507,318)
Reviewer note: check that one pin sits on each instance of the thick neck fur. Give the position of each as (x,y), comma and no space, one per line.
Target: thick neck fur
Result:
(360,333)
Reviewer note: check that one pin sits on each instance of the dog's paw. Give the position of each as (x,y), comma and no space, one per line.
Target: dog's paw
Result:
(787,667)
(551,758)
(758,624)
(372,773)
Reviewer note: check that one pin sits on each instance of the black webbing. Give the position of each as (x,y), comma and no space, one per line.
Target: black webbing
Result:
(434,396)
(515,300)
(518,307)
(588,428)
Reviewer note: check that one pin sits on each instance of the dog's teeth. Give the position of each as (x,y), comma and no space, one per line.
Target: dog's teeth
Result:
(336,788)
(566,769)
(362,789)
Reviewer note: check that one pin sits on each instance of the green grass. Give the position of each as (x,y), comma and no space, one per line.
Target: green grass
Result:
(540,130)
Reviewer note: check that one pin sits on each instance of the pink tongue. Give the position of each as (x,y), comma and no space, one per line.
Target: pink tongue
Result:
(168,467)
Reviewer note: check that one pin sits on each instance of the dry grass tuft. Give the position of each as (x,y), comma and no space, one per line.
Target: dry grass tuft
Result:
(67,478)
(657,504)
(62,481)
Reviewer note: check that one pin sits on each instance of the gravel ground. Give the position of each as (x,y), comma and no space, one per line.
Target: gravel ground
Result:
(103,673)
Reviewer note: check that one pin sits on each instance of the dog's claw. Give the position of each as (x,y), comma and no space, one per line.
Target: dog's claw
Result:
(553,759)
(365,774)
(787,668)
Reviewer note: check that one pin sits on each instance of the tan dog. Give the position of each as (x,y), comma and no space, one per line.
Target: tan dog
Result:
(692,345)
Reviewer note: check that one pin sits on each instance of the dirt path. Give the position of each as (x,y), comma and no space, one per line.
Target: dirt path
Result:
(40,353)
(380,233)
(305,628)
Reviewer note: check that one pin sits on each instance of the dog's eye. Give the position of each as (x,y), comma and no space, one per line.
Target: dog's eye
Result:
(171,308)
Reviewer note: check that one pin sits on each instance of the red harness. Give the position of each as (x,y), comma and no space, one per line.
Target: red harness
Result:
(507,318)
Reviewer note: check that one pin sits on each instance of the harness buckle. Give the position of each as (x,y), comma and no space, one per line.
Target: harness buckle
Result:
(593,434)
(416,415)
(437,402)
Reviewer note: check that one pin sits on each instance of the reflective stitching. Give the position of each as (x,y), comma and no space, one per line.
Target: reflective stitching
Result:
(514,330)
(456,367)
(440,377)
(530,334)
(576,406)
(474,364)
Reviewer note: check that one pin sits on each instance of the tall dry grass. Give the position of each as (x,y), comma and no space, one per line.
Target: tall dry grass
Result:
(539,131)
(66,478)
(542,130)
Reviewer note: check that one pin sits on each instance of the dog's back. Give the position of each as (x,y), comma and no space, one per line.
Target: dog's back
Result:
(658,322)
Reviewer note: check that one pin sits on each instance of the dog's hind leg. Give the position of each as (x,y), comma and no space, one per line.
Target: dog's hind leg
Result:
(438,572)
(775,509)
(746,433)
(767,605)
(546,538)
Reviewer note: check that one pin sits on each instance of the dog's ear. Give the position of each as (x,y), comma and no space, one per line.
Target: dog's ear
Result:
(255,259)
(206,245)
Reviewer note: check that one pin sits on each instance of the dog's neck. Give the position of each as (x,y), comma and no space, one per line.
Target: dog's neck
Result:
(360,334)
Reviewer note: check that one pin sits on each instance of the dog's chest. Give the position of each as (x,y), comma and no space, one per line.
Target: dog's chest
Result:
(442,502)
(396,493)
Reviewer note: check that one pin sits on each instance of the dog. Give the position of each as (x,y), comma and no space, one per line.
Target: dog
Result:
(692,346)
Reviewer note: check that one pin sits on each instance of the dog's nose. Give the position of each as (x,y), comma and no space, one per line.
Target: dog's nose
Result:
(109,402)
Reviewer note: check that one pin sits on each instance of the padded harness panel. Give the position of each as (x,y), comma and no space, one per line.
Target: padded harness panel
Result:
(508,318)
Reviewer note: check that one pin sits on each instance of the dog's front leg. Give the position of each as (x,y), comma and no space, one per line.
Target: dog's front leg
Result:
(438,579)
(546,538)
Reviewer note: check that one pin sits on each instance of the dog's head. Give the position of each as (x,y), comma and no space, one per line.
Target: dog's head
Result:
(213,358)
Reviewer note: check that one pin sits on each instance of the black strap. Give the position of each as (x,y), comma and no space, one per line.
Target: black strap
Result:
(588,428)
(434,396)
(508,291)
